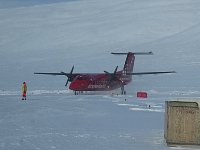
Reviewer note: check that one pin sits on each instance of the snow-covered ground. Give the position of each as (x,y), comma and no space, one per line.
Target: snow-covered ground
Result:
(62,120)
(52,36)
(51,121)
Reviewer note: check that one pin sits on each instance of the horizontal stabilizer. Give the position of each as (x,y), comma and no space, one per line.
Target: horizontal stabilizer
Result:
(146,73)
(136,53)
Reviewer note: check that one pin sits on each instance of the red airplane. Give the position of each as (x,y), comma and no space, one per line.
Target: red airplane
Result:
(105,81)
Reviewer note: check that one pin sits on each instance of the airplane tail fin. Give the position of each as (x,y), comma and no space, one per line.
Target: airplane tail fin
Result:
(129,62)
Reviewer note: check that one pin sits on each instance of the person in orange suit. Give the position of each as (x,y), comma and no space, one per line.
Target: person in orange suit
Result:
(24,90)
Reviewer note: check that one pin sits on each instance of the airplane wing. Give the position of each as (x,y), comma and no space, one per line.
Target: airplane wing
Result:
(55,74)
(70,75)
(59,74)
(147,73)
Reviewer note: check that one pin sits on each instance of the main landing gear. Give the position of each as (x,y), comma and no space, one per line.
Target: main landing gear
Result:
(123,92)
(77,92)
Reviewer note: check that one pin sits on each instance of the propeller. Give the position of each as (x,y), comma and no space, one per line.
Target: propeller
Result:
(112,75)
(69,75)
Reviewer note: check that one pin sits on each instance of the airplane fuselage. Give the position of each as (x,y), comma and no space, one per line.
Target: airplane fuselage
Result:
(99,82)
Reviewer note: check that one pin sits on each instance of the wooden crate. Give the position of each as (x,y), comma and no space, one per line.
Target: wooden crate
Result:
(182,122)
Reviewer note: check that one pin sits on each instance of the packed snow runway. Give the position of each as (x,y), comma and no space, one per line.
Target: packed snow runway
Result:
(65,121)
(61,120)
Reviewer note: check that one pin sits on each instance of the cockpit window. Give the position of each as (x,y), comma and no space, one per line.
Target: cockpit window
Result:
(81,78)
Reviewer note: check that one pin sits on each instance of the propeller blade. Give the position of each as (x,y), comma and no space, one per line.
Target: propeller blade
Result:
(69,76)
(112,76)
(115,70)
(72,70)
(67,82)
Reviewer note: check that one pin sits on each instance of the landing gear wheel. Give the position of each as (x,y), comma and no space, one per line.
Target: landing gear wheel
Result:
(123,92)
(75,93)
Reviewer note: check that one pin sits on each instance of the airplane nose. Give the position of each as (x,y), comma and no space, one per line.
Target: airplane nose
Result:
(73,86)
(78,85)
